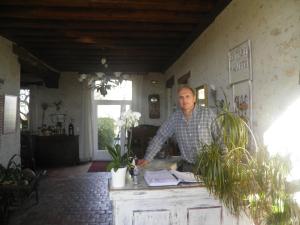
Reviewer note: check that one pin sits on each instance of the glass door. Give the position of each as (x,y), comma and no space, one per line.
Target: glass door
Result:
(107,112)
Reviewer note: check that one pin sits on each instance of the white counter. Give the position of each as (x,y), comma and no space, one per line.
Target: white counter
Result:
(171,205)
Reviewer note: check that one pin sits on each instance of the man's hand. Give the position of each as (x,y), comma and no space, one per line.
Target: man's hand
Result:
(142,162)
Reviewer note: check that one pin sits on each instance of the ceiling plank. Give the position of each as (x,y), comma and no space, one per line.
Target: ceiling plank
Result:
(57,14)
(168,5)
(16,23)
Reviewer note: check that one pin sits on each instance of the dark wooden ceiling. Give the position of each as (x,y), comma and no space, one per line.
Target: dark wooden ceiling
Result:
(134,36)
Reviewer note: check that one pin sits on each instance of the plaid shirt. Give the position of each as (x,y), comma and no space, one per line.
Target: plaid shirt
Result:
(190,135)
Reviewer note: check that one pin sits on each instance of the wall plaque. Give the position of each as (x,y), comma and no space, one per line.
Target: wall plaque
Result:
(240,68)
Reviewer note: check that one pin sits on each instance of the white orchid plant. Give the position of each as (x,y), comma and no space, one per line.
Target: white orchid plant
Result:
(129,120)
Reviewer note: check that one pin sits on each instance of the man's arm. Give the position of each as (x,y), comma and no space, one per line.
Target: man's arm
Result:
(164,132)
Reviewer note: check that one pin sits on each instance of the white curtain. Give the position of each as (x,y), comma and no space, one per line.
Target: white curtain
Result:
(86,139)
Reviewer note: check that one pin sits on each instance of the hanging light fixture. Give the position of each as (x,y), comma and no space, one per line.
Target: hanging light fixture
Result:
(103,81)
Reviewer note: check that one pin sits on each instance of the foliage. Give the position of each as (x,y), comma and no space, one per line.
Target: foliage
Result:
(128,120)
(252,183)
(14,175)
(118,160)
(106,127)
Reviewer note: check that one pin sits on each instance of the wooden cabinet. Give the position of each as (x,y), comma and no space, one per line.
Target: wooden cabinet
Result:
(60,150)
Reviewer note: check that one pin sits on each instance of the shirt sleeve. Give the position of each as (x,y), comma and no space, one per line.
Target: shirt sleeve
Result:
(164,132)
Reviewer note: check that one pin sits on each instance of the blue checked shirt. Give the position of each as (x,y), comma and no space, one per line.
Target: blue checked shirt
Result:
(190,135)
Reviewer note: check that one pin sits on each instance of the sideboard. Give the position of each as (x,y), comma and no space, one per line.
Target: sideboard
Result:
(56,150)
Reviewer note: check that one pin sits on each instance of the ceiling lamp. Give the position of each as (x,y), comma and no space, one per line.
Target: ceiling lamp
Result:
(103,81)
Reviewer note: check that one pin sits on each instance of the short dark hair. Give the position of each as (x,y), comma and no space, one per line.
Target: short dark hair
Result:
(187,87)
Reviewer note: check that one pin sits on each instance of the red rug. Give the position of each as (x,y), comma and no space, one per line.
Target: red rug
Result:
(98,166)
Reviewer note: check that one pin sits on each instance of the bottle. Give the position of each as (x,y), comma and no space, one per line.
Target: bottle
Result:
(135,175)
(71,129)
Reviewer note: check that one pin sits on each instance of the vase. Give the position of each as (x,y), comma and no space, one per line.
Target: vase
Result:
(118,177)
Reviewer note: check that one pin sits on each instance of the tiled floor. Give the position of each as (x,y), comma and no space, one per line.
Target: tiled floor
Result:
(69,199)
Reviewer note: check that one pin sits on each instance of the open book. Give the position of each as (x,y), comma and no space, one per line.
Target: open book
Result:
(168,177)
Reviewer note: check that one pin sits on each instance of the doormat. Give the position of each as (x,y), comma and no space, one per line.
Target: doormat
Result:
(98,166)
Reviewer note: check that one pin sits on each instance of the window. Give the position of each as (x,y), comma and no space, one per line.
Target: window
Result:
(202,95)
(108,111)
(24,108)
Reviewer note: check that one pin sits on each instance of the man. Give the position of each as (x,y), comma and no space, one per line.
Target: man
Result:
(192,125)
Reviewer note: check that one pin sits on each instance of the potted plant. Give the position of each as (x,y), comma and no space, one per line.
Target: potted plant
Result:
(120,163)
(244,177)
(118,166)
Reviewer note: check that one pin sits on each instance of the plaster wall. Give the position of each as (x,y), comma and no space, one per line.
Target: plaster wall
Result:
(10,73)
(69,92)
(274,31)
(152,83)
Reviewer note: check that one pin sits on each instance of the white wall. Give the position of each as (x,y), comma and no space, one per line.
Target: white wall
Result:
(10,73)
(143,87)
(273,26)
(69,92)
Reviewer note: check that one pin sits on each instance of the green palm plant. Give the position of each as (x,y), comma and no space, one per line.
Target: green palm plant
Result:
(246,179)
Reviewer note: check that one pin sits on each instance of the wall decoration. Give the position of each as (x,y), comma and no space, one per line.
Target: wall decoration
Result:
(10,114)
(240,65)
(154,106)
(242,100)
(202,95)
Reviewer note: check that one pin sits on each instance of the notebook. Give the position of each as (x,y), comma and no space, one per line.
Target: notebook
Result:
(168,177)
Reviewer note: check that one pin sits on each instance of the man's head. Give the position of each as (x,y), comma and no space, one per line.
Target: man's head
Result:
(186,98)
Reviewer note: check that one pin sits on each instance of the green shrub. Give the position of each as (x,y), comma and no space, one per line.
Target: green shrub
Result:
(106,134)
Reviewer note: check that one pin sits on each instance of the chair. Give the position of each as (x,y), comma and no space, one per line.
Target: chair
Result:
(141,135)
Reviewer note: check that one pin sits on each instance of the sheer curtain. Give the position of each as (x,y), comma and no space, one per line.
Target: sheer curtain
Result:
(87,125)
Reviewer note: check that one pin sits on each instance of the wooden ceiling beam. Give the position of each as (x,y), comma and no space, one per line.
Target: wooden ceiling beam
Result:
(38,33)
(168,5)
(123,68)
(150,52)
(102,43)
(15,23)
(65,14)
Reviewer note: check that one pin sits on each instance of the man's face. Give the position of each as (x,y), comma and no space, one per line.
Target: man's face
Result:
(186,99)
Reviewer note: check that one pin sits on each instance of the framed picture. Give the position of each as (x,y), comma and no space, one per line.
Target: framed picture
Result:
(240,65)
(10,114)
(202,95)
(242,100)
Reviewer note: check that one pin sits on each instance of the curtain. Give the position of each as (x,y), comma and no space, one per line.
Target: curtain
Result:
(86,138)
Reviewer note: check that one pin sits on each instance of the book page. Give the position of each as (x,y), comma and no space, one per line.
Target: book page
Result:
(184,176)
(160,178)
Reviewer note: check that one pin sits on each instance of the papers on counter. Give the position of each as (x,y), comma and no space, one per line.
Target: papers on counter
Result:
(166,177)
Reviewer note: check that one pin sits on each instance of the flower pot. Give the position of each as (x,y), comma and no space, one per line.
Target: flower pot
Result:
(118,178)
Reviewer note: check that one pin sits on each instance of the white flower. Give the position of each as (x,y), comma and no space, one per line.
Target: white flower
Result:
(83,76)
(129,119)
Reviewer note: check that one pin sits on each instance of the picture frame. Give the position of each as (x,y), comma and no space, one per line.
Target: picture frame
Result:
(10,114)
(242,100)
(240,63)
(202,95)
